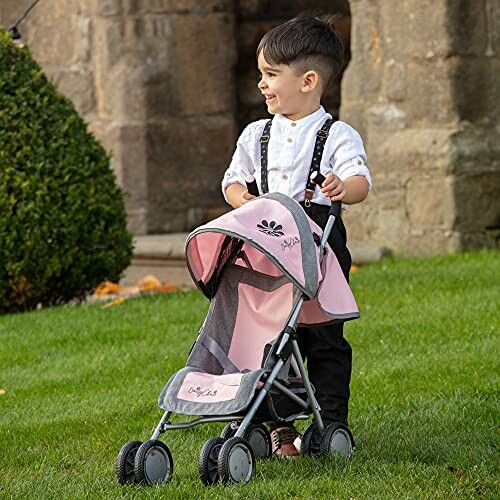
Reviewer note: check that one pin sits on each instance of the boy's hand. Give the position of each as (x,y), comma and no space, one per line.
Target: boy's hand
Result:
(333,187)
(246,197)
(237,195)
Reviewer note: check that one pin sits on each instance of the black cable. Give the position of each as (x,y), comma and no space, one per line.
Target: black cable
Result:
(14,31)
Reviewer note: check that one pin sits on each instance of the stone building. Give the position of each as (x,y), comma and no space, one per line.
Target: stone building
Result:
(168,84)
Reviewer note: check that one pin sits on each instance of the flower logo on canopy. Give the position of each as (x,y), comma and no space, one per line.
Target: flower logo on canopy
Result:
(270,228)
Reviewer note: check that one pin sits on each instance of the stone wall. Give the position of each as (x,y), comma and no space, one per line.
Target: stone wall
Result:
(168,84)
(423,89)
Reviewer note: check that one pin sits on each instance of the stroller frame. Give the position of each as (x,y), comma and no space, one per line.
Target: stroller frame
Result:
(152,461)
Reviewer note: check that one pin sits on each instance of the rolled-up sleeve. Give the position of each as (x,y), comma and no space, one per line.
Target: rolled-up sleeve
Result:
(241,165)
(348,156)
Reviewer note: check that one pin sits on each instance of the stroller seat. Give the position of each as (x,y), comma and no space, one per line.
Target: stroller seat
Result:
(227,360)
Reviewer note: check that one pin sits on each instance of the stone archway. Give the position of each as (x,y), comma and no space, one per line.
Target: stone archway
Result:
(156,81)
(422,90)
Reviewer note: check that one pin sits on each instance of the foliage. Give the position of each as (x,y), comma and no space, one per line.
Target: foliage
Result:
(62,217)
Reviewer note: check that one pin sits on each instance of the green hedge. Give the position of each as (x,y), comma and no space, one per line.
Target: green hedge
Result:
(62,216)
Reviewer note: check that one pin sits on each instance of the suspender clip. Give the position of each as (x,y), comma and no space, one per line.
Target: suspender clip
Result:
(322,133)
(264,138)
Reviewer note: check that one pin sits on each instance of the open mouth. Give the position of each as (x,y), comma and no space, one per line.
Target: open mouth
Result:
(269,97)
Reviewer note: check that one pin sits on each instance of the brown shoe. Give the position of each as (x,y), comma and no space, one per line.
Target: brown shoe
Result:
(283,442)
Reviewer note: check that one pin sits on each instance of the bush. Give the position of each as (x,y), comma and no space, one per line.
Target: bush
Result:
(62,216)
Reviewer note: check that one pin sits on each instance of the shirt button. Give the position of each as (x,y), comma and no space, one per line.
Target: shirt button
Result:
(285,177)
(289,140)
(294,124)
(360,162)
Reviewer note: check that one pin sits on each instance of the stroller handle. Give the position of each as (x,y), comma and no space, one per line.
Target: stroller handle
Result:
(336,206)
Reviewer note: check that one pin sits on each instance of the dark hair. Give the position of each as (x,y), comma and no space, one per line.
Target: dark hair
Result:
(305,40)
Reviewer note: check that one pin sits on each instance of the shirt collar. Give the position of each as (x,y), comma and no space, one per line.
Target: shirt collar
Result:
(307,120)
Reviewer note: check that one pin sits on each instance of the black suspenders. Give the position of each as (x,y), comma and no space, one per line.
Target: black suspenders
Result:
(264,143)
(321,137)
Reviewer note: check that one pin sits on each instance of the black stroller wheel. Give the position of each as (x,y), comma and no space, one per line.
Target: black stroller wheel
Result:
(260,440)
(229,431)
(125,462)
(207,462)
(153,463)
(236,461)
(311,440)
(337,439)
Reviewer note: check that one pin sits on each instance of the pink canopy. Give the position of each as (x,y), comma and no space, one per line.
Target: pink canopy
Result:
(273,235)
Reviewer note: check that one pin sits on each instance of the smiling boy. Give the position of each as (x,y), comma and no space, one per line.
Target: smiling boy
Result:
(296,61)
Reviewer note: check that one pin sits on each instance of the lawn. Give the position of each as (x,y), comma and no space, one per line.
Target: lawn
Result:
(78,382)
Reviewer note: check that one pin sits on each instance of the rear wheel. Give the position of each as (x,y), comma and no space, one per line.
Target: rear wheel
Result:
(229,431)
(207,462)
(260,440)
(311,440)
(153,463)
(337,439)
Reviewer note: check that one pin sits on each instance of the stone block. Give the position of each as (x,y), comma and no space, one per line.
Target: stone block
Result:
(476,200)
(430,86)
(475,149)
(76,83)
(431,242)
(430,202)
(361,81)
(410,151)
(469,27)
(476,89)
(394,80)
(52,41)
(133,66)
(414,29)
(205,56)
(129,160)
(387,116)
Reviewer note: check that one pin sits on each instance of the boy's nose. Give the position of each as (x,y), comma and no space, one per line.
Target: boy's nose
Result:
(261,84)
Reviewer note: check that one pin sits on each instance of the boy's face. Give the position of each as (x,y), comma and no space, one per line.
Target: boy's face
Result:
(283,89)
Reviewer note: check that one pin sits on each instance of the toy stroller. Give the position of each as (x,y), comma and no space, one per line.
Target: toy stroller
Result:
(266,268)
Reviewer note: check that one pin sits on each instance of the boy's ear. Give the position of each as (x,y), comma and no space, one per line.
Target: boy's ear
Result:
(310,81)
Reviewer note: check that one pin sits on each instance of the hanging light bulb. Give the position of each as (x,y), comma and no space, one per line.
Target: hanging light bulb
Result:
(15,34)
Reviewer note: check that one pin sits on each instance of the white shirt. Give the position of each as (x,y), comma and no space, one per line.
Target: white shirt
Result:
(290,152)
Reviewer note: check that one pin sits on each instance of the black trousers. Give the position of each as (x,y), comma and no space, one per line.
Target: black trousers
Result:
(328,354)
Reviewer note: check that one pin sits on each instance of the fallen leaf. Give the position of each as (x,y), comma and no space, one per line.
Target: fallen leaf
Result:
(107,288)
(149,282)
(354,268)
(116,302)
(2,392)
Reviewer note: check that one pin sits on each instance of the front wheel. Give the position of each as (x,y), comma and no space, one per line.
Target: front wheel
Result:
(207,462)
(125,462)
(153,463)
(236,462)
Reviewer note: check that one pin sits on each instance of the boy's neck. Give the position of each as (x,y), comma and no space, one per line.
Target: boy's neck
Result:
(302,114)
(306,111)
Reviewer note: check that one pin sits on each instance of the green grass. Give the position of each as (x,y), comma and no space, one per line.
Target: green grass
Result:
(81,381)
